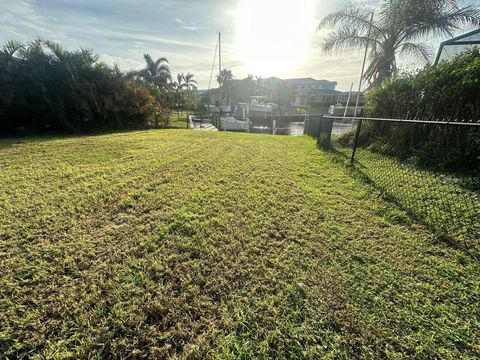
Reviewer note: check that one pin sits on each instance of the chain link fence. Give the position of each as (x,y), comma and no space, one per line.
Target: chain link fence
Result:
(429,168)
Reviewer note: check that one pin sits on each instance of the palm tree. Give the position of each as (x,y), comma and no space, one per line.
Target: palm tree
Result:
(224,76)
(398,29)
(224,79)
(180,83)
(10,48)
(190,83)
(157,73)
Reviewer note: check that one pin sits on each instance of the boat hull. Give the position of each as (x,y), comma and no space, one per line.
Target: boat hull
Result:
(232,124)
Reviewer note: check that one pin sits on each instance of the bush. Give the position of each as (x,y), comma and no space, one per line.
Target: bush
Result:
(45,88)
(448,91)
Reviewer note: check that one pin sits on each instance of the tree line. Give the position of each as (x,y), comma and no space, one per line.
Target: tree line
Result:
(46,88)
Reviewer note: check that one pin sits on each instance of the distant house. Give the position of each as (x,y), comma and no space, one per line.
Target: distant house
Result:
(321,100)
(304,84)
(233,92)
(294,92)
(304,87)
(270,83)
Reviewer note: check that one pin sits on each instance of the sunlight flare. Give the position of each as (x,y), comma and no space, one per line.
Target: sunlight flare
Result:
(273,37)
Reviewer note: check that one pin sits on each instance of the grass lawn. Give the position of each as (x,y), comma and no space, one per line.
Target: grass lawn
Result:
(192,244)
(447,202)
(178,120)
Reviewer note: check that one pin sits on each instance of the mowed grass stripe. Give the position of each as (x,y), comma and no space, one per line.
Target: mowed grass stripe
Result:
(76,177)
(246,246)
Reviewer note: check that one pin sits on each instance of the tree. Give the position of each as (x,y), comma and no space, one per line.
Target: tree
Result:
(398,29)
(157,77)
(10,48)
(224,79)
(44,88)
(224,76)
(179,84)
(156,73)
(182,93)
(185,82)
(190,83)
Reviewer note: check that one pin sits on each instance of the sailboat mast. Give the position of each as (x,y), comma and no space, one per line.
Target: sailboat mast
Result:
(219,52)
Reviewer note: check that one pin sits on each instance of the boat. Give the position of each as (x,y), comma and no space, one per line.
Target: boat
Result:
(257,105)
(227,117)
(236,117)
(345,111)
(230,123)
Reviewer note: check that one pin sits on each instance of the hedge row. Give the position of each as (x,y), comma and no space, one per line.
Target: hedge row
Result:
(449,91)
(45,88)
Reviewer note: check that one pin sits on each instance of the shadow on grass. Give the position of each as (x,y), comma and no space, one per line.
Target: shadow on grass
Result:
(359,171)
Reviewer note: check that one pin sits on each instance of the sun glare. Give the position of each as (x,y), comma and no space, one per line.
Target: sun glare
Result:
(273,36)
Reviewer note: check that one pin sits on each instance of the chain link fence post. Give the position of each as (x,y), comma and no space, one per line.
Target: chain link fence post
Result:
(355,143)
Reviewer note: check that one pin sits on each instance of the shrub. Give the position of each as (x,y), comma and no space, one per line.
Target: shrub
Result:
(46,88)
(448,91)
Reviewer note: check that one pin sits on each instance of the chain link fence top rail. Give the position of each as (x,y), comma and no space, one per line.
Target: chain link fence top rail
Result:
(410,162)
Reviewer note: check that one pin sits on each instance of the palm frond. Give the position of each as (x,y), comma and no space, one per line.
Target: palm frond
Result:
(57,50)
(180,80)
(149,60)
(189,78)
(161,61)
(468,15)
(418,51)
(443,22)
(353,15)
(347,38)
(33,49)
(11,47)
(162,69)
(89,55)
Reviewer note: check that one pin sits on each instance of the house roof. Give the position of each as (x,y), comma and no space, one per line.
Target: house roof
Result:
(267,83)
(462,37)
(272,78)
(308,80)
(461,42)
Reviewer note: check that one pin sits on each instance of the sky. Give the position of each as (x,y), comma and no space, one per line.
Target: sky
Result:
(260,37)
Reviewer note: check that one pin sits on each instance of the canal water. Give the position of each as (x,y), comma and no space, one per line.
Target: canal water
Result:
(293,129)
(296,129)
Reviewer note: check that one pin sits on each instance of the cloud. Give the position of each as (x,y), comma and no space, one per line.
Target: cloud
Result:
(121,31)
(184,31)
(187,26)
(126,64)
